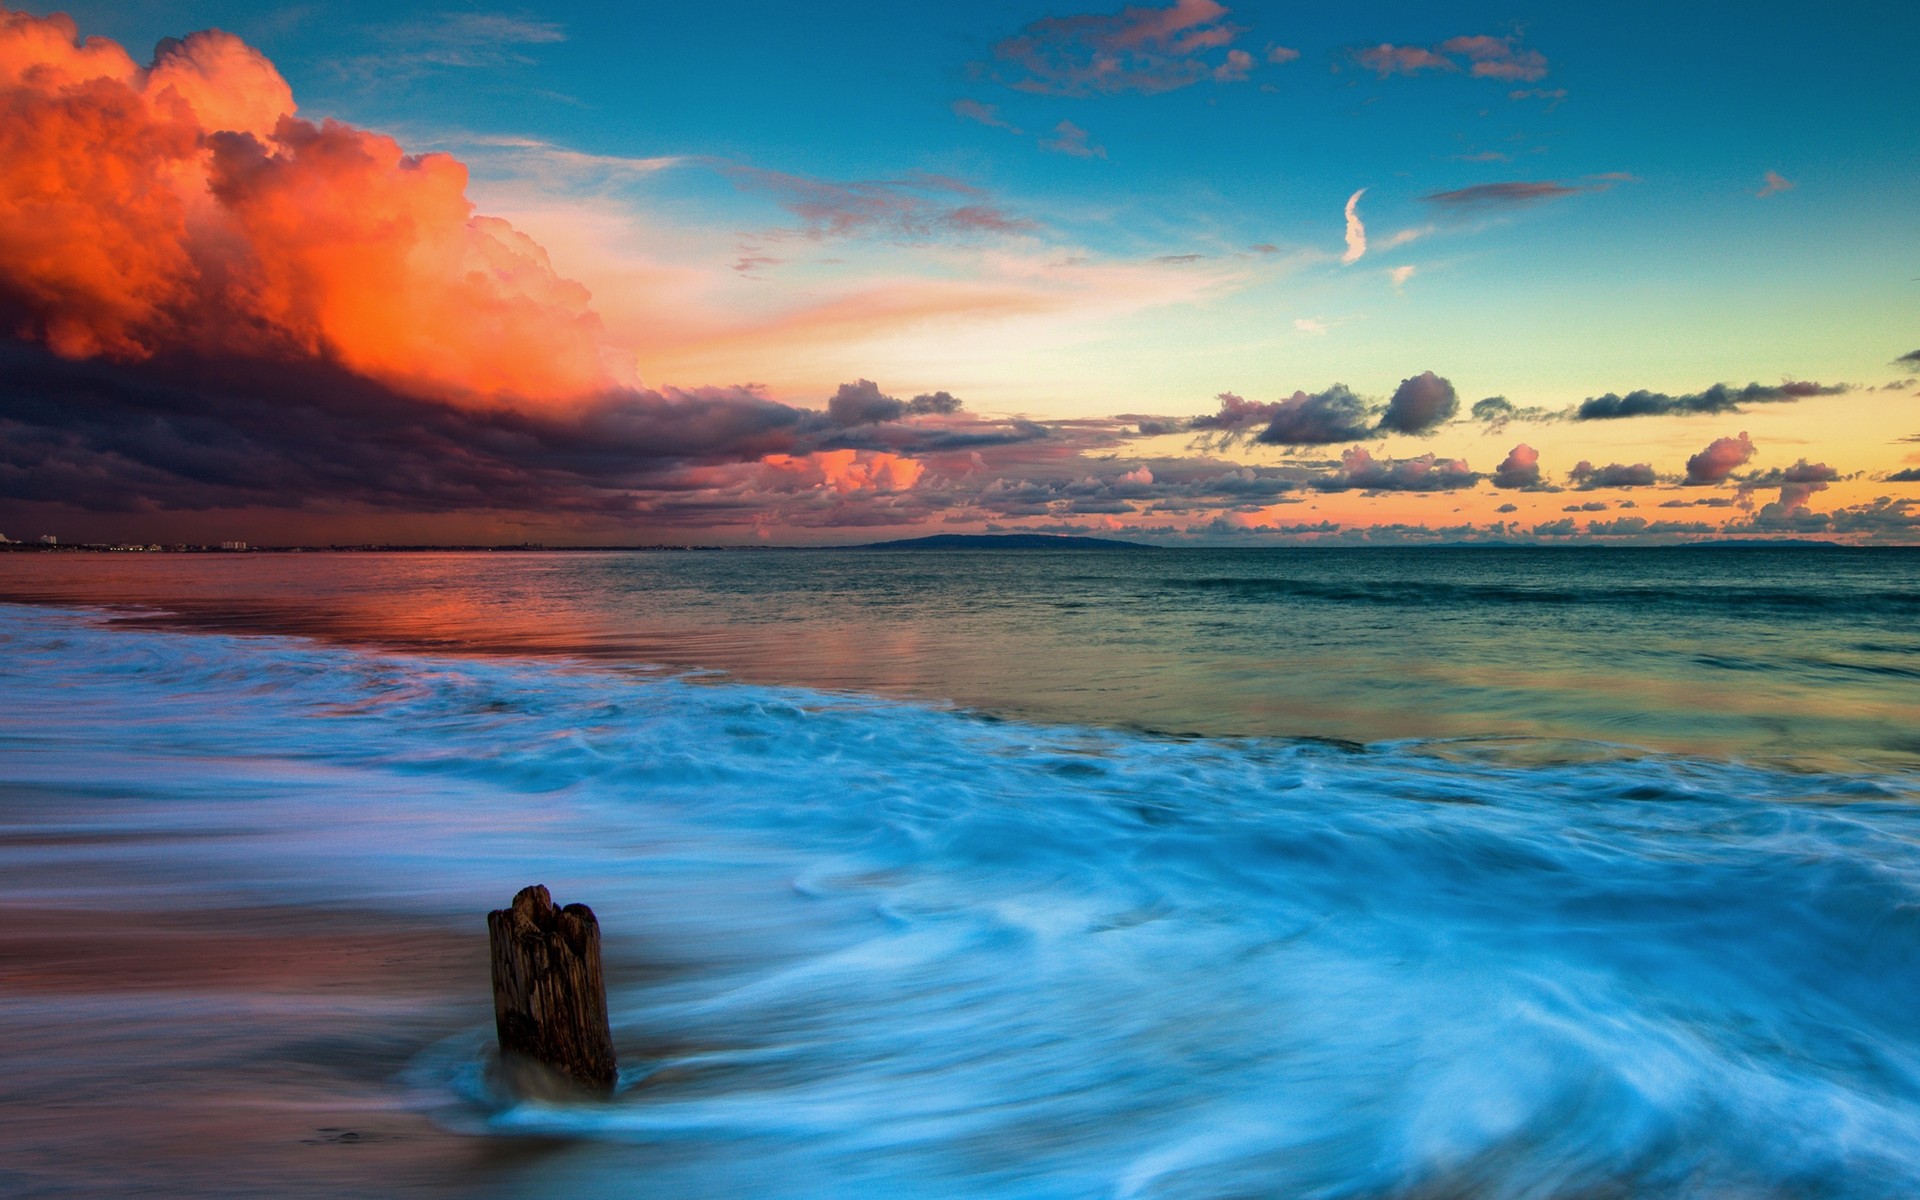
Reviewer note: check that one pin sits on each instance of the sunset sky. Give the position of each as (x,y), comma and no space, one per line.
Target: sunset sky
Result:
(790,274)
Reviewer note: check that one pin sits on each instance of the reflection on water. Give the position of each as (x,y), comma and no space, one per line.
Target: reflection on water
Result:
(860,947)
(1806,654)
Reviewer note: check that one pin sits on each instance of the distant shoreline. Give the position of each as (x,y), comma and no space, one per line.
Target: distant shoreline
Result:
(936,543)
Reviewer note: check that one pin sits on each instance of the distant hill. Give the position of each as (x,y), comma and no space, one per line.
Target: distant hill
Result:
(1006,541)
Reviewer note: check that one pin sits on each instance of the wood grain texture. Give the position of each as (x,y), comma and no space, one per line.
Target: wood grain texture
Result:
(549,995)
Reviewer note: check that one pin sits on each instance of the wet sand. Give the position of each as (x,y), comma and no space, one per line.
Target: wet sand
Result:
(237,1051)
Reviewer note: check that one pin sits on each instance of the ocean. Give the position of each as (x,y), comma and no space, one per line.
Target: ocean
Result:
(1423,873)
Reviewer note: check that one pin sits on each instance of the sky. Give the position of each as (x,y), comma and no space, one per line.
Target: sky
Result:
(764,274)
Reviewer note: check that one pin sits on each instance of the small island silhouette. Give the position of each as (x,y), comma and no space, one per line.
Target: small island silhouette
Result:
(1007,541)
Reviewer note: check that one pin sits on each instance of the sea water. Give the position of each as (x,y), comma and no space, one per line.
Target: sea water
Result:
(1075,875)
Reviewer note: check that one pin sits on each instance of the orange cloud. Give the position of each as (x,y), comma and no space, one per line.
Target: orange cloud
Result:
(183,205)
(849,470)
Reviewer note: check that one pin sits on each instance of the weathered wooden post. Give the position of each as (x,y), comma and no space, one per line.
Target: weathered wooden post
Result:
(549,998)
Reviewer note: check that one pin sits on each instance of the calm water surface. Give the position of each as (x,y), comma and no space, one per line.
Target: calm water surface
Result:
(1783,653)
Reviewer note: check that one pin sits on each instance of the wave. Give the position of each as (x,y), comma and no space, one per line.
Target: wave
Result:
(917,952)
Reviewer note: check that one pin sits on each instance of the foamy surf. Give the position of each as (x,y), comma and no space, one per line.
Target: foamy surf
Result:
(880,948)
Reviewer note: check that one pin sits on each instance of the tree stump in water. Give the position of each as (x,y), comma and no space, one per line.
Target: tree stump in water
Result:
(549,998)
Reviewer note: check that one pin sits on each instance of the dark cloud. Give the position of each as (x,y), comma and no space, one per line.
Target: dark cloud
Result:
(1497,195)
(941,403)
(190,433)
(1237,415)
(1420,404)
(1360,471)
(185,433)
(1908,475)
(1586,476)
(1717,399)
(1317,419)
(1718,460)
(1800,472)
(1520,469)
(1909,360)
(1495,411)
(862,403)
(1885,519)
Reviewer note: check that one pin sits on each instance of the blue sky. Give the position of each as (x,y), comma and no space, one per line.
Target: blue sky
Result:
(1558,201)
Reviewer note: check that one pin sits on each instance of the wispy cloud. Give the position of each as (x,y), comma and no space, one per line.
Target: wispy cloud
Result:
(983,114)
(1400,275)
(1552,96)
(1138,49)
(1073,141)
(917,207)
(1503,195)
(1773,183)
(469,40)
(1717,399)
(1356,230)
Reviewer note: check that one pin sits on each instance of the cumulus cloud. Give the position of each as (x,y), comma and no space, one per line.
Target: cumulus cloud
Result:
(862,403)
(185,204)
(845,471)
(1235,69)
(1138,49)
(1498,58)
(1420,404)
(1797,485)
(1480,55)
(1388,59)
(1720,398)
(1520,468)
(1356,231)
(1587,477)
(1317,419)
(1906,475)
(1909,360)
(1718,460)
(1361,471)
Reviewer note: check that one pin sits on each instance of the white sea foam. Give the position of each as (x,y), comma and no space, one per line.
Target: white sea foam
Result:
(923,953)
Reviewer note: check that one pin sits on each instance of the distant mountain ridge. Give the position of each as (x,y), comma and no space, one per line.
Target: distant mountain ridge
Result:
(1006,541)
